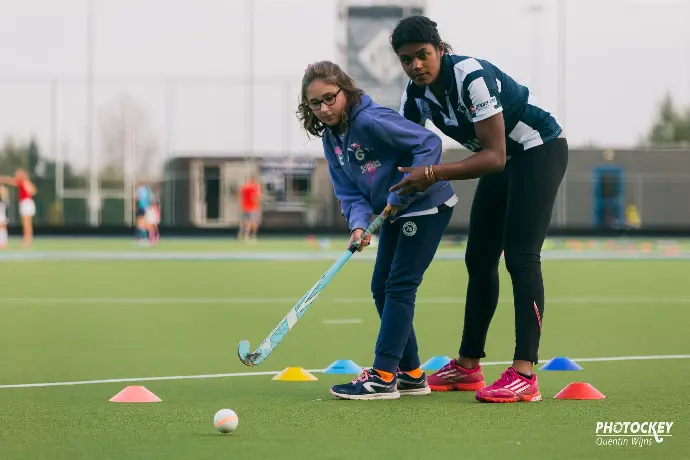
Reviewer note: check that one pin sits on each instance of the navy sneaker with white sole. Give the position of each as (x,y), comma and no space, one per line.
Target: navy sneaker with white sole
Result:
(410,386)
(368,385)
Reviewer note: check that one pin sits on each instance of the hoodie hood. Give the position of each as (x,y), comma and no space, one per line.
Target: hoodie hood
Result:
(365,103)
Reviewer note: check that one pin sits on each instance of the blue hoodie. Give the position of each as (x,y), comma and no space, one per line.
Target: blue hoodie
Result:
(363,163)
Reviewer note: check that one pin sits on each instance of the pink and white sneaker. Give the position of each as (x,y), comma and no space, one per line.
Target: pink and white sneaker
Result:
(511,387)
(453,377)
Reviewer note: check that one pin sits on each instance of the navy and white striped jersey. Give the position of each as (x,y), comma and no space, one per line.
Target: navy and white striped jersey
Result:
(476,90)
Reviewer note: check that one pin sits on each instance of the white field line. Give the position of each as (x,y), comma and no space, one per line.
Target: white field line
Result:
(343,321)
(252,374)
(7,301)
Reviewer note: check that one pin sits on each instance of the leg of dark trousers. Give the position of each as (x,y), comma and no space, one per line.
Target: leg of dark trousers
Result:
(534,181)
(388,241)
(484,246)
(418,241)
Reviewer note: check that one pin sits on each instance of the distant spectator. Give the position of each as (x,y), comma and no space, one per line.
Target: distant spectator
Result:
(4,200)
(632,217)
(143,198)
(250,203)
(153,219)
(27,207)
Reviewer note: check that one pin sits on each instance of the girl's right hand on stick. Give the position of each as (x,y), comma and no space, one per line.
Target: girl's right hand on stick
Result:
(356,235)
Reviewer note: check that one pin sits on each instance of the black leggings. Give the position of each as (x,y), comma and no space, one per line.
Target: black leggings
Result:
(511,212)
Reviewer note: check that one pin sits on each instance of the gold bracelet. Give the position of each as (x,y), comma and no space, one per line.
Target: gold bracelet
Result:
(431,173)
(426,173)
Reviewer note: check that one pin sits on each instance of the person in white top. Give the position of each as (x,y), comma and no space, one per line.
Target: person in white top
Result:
(27,208)
(4,199)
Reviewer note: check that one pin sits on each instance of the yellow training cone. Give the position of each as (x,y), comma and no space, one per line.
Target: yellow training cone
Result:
(294,374)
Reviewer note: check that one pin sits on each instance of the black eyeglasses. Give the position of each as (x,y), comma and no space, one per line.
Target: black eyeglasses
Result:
(328,100)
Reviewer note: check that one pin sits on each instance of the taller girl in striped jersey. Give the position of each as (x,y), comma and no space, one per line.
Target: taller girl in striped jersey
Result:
(520,156)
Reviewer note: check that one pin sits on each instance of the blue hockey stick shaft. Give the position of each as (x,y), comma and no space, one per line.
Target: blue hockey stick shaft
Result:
(288,322)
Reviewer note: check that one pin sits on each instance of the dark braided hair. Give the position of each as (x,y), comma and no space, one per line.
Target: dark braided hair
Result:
(417,29)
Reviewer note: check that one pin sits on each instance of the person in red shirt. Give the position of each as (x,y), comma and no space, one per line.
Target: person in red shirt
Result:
(250,203)
(27,208)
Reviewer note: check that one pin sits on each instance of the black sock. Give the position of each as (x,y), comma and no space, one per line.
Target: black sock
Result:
(528,377)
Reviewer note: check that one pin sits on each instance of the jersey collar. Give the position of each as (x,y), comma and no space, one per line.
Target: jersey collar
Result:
(423,92)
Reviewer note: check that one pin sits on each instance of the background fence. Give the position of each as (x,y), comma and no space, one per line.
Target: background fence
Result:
(98,95)
(654,184)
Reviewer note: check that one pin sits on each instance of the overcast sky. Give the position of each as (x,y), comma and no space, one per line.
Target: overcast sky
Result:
(622,56)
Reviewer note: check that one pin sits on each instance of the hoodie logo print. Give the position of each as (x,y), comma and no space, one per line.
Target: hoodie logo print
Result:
(369,168)
(339,154)
(359,152)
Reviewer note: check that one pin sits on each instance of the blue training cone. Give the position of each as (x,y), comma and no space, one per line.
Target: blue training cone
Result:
(436,363)
(561,363)
(343,366)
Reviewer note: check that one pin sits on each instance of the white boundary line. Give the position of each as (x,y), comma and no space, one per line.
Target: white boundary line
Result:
(343,321)
(253,374)
(6,301)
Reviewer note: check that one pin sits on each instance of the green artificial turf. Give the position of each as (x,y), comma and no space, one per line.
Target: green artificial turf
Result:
(95,320)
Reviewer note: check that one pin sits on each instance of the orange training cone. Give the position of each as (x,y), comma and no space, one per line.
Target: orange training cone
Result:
(135,394)
(579,390)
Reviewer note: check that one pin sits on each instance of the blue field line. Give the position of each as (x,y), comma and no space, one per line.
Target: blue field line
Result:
(456,255)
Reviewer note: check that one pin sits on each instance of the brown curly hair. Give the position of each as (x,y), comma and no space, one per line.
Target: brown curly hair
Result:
(331,73)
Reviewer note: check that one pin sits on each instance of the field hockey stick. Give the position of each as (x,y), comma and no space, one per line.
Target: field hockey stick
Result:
(288,322)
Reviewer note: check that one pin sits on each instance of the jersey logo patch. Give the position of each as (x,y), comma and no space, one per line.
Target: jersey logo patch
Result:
(409,228)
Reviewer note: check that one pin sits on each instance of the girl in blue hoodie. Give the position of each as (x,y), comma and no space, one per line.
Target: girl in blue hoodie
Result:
(365,145)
